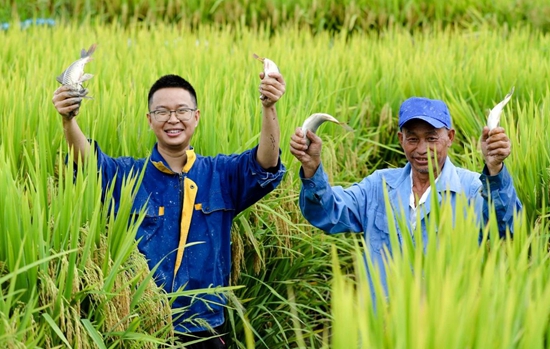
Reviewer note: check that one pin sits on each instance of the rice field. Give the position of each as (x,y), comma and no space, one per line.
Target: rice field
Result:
(70,274)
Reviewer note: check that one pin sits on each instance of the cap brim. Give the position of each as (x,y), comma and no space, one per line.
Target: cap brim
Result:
(434,122)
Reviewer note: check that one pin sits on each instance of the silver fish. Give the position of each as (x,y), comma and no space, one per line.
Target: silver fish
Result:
(269,67)
(74,75)
(494,115)
(315,120)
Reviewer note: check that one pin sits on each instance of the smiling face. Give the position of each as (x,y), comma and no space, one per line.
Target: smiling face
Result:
(173,135)
(417,137)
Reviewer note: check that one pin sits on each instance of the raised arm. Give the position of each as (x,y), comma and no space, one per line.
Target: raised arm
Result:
(67,102)
(272,87)
(497,182)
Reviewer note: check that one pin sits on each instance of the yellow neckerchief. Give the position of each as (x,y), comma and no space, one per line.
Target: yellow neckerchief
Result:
(190,189)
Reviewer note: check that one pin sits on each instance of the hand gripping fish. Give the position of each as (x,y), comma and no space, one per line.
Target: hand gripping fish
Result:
(494,115)
(74,75)
(315,120)
(269,67)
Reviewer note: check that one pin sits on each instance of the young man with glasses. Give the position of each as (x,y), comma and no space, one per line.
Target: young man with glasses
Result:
(190,199)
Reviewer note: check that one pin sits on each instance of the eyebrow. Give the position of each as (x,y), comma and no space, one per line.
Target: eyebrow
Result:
(178,106)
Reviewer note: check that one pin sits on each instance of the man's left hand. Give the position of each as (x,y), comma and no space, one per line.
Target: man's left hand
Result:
(495,146)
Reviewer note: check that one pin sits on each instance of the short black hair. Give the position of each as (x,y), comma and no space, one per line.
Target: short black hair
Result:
(172,80)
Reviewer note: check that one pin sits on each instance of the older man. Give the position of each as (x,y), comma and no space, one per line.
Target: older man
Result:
(425,135)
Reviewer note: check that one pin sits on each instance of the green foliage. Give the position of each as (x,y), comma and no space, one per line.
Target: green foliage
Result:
(61,274)
(452,294)
(348,16)
(70,272)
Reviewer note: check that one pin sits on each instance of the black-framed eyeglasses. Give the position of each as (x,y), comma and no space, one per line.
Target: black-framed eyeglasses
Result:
(182,114)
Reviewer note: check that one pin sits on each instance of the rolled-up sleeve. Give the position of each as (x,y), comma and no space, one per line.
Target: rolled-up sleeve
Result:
(251,181)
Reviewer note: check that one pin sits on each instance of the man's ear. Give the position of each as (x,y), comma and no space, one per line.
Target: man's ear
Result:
(451,134)
(197,117)
(149,120)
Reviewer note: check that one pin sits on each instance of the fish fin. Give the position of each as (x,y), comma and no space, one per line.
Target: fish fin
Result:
(83,93)
(86,77)
(60,78)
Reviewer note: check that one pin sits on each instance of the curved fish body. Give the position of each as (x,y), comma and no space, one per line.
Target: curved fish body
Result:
(269,67)
(74,75)
(494,116)
(313,122)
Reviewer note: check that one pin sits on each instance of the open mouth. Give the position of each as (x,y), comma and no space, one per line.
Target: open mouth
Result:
(173,133)
(422,161)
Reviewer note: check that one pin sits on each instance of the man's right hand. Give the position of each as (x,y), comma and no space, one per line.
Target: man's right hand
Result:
(309,156)
(67,101)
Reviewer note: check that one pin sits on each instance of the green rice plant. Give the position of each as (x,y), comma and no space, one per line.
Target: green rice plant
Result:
(93,287)
(453,294)
(318,16)
(49,288)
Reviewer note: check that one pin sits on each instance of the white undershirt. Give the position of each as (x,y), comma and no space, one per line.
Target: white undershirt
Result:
(413,209)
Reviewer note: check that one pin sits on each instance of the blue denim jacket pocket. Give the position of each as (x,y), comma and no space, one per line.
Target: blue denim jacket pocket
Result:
(213,248)
(152,223)
(215,211)
(380,233)
(215,202)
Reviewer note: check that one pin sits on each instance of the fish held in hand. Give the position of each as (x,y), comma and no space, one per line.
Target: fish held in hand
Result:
(74,75)
(313,122)
(269,67)
(494,116)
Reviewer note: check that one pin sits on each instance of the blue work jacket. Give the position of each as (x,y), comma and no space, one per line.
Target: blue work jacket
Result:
(187,227)
(361,207)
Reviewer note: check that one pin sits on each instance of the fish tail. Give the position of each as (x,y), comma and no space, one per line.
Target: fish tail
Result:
(346,127)
(261,59)
(91,50)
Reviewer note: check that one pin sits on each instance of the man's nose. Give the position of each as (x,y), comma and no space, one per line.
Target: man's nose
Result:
(174,119)
(422,147)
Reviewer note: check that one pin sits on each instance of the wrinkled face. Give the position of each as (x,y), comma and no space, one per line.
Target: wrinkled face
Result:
(173,134)
(418,137)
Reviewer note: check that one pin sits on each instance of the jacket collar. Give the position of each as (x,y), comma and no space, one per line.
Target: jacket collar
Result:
(399,187)
(160,164)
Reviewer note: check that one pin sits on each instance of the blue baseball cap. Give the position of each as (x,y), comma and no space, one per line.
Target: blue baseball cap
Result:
(433,111)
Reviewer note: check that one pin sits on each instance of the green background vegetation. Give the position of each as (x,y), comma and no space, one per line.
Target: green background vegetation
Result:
(69,272)
(332,15)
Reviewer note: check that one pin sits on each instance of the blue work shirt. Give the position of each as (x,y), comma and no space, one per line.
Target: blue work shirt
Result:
(196,207)
(361,207)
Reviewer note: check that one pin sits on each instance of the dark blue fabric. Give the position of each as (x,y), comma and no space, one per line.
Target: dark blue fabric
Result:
(227,185)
